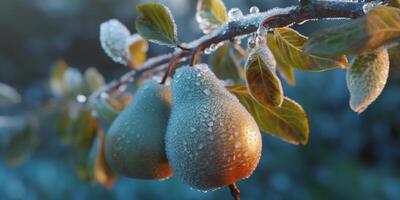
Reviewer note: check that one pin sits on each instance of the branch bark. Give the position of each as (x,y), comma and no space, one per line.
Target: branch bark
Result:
(279,17)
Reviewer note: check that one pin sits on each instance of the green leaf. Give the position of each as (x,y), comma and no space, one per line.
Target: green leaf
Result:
(290,43)
(93,80)
(156,24)
(8,95)
(380,27)
(366,79)
(288,122)
(284,69)
(262,82)
(210,14)
(137,48)
(57,85)
(224,64)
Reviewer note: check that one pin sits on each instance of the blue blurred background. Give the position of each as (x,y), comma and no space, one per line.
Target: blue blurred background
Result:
(349,156)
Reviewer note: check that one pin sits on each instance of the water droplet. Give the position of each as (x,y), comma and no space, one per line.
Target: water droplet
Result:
(207,51)
(254,10)
(213,47)
(210,129)
(210,123)
(235,14)
(192,129)
(197,83)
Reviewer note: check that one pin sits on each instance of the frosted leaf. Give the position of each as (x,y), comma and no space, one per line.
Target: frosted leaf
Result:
(235,14)
(210,14)
(268,58)
(113,38)
(254,10)
(366,79)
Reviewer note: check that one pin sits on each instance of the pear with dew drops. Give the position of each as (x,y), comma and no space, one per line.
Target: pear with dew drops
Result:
(211,139)
(134,145)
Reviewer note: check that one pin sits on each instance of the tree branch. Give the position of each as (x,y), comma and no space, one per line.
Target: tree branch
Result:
(279,17)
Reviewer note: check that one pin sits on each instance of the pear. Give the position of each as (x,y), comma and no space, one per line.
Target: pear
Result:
(134,145)
(211,139)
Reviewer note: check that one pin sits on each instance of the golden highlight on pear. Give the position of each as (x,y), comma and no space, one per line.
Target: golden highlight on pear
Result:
(134,144)
(211,139)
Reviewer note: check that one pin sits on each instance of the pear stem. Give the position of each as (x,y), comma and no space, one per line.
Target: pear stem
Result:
(235,192)
(171,65)
(197,51)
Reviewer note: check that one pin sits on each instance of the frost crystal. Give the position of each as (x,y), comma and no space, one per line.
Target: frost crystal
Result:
(113,39)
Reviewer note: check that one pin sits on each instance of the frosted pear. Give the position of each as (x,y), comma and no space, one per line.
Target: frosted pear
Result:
(135,141)
(211,139)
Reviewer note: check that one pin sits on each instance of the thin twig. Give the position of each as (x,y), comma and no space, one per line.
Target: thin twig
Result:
(235,192)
